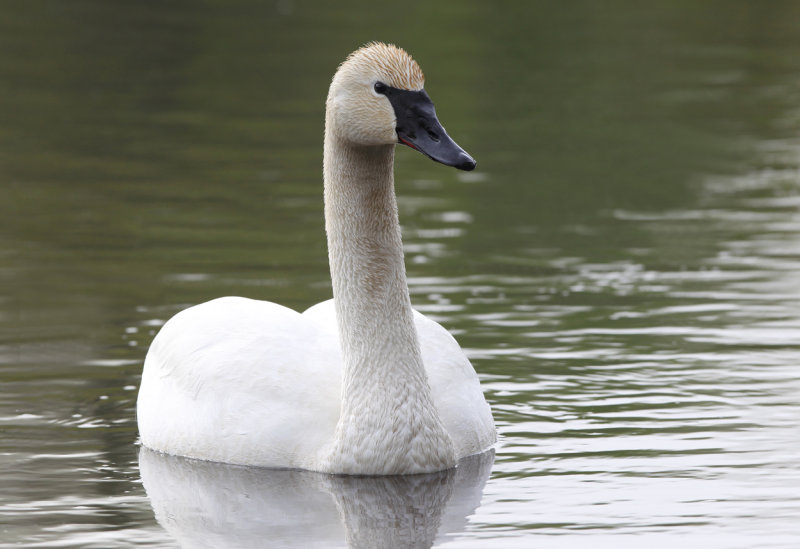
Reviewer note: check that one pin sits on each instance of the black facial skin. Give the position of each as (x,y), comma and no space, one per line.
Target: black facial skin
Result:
(418,127)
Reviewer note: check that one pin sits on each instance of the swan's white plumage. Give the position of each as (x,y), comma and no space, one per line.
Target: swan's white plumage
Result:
(241,381)
(209,390)
(361,384)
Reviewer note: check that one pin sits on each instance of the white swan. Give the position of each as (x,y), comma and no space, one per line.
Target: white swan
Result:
(361,384)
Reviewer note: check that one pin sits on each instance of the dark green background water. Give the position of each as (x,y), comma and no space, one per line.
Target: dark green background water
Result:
(623,268)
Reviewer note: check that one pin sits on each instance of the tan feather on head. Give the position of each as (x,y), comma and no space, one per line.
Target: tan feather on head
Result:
(355,111)
(396,67)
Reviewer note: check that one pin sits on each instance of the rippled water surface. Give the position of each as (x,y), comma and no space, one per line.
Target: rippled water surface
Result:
(623,268)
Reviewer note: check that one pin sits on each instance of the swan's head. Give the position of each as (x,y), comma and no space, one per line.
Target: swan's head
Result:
(377,98)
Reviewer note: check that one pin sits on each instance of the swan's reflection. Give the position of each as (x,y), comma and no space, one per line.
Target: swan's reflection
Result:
(205,504)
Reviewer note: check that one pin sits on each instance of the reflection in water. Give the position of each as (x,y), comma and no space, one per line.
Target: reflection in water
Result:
(204,504)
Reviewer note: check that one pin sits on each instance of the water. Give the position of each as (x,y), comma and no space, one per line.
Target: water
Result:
(622,268)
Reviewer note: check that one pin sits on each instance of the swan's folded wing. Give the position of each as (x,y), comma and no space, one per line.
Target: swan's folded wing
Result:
(456,389)
(239,381)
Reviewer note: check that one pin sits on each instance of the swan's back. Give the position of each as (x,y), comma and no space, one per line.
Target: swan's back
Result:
(209,390)
(240,381)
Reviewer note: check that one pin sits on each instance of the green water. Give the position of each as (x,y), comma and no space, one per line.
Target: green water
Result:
(623,267)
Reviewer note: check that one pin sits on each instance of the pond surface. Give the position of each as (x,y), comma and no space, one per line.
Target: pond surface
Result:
(623,268)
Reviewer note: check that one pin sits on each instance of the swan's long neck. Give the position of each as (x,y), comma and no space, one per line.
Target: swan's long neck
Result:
(388,421)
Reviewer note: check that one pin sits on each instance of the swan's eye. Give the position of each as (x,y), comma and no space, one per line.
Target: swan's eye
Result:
(380,88)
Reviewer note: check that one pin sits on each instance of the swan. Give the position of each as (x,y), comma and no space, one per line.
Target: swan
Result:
(361,384)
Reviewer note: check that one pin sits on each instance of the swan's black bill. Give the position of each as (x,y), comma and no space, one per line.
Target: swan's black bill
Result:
(418,127)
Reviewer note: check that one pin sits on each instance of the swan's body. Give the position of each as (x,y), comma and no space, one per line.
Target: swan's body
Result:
(361,384)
